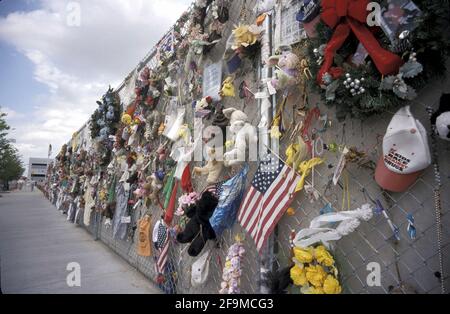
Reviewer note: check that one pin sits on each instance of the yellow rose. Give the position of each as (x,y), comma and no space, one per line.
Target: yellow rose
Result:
(303,255)
(331,285)
(298,276)
(323,256)
(316,275)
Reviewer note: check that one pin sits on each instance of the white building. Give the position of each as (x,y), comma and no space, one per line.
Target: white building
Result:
(37,168)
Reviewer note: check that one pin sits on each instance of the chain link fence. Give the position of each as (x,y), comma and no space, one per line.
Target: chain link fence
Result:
(411,264)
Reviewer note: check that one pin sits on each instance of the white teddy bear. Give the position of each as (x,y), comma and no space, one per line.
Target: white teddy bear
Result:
(244,136)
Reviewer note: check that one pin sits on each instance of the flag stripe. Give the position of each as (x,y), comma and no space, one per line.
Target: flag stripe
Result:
(256,212)
(243,212)
(254,204)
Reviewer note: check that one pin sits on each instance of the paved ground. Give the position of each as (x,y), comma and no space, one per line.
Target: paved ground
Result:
(37,243)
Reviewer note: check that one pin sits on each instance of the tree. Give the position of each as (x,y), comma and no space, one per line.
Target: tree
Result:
(11,167)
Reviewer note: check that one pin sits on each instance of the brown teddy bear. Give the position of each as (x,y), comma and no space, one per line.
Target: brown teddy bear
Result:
(213,168)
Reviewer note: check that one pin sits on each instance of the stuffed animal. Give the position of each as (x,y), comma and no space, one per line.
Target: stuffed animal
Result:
(152,123)
(154,184)
(286,73)
(162,153)
(203,107)
(228,88)
(441,118)
(213,168)
(198,230)
(244,135)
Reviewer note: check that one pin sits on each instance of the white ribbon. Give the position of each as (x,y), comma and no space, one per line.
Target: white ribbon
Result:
(349,221)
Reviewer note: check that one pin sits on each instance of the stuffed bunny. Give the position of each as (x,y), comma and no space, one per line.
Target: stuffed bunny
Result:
(245,136)
(286,72)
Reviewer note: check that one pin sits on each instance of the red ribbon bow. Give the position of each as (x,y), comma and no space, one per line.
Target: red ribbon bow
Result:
(350,15)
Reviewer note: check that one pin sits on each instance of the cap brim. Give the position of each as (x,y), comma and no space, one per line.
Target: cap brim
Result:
(392,181)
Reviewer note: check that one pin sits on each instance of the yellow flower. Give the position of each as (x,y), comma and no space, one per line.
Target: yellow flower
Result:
(229,144)
(126,119)
(316,275)
(331,285)
(303,255)
(290,211)
(244,36)
(102,194)
(323,256)
(240,30)
(275,132)
(298,276)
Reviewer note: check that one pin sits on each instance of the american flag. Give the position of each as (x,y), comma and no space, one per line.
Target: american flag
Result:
(270,194)
(162,245)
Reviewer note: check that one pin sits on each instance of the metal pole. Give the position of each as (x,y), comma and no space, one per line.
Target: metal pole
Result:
(267,108)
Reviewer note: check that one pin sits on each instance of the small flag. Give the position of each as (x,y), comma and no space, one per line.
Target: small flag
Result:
(270,194)
(162,244)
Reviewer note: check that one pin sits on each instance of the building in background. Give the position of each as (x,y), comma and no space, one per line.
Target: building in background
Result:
(37,169)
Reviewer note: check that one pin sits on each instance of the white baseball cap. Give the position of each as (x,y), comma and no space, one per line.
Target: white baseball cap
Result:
(405,152)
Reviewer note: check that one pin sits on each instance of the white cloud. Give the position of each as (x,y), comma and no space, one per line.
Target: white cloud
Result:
(78,63)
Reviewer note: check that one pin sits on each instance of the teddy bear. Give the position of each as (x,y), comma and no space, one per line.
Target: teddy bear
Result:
(244,136)
(286,73)
(198,230)
(213,168)
(153,185)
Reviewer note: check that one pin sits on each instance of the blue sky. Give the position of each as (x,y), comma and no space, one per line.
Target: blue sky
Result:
(18,89)
(51,72)
(16,69)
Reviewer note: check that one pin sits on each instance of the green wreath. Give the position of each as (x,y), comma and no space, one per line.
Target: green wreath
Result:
(424,52)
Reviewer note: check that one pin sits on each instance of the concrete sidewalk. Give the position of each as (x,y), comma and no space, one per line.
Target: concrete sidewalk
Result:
(37,244)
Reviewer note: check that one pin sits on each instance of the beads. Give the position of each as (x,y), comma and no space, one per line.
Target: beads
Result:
(355,86)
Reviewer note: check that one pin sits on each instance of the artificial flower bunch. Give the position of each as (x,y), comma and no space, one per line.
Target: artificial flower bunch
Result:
(245,36)
(315,271)
(185,201)
(232,271)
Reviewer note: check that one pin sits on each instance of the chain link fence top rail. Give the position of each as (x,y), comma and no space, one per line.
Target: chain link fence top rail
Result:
(410,263)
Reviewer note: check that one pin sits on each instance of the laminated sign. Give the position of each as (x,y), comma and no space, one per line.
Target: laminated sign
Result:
(212,81)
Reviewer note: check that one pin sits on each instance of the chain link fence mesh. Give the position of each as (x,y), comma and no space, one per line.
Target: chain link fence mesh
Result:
(412,263)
